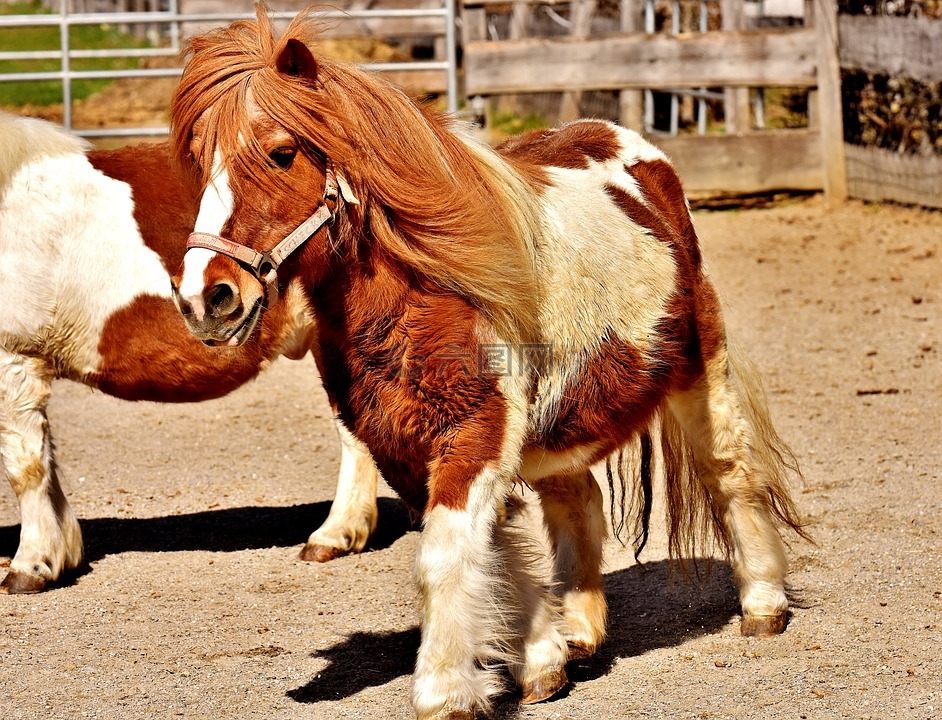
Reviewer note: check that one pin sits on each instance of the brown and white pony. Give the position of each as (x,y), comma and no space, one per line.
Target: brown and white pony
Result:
(485,318)
(86,238)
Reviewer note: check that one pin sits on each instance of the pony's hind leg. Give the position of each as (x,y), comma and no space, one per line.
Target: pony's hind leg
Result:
(353,513)
(50,539)
(538,648)
(743,467)
(574,519)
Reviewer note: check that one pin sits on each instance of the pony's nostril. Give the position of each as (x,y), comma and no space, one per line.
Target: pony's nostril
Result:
(221,300)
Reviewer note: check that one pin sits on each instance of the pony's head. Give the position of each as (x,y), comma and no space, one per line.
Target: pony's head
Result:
(310,162)
(262,183)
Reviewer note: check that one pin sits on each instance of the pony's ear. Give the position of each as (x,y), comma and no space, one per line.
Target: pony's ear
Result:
(297,60)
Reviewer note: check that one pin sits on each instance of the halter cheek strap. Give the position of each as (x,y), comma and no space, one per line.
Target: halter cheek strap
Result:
(264,265)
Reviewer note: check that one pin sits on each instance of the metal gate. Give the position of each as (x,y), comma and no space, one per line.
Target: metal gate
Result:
(171,23)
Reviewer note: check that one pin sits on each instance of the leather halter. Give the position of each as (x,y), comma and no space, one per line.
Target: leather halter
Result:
(264,265)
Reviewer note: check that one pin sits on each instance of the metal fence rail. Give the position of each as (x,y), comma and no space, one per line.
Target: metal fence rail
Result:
(173,19)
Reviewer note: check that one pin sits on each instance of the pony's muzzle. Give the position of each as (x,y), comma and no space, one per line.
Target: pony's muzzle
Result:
(218,315)
(216,303)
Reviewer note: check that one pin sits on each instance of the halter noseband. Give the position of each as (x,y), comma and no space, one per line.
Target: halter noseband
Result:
(264,265)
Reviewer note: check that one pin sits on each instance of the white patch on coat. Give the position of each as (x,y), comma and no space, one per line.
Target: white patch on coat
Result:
(72,256)
(50,538)
(603,276)
(539,463)
(23,139)
(467,602)
(353,514)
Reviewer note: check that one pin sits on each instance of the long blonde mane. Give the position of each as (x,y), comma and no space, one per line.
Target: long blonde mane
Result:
(436,201)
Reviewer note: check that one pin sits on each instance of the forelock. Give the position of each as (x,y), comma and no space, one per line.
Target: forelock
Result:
(224,66)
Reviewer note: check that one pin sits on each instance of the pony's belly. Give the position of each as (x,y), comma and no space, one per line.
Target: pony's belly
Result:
(538,463)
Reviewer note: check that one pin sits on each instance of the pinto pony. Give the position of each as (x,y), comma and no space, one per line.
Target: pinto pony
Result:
(86,238)
(485,318)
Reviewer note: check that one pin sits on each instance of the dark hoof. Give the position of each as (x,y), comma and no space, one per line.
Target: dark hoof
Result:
(763,625)
(579,650)
(544,687)
(321,553)
(20,583)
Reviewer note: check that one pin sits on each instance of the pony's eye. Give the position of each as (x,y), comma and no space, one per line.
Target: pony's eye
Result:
(282,157)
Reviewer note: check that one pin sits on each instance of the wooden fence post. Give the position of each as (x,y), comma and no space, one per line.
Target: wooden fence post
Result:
(830,120)
(736,103)
(581,18)
(631,101)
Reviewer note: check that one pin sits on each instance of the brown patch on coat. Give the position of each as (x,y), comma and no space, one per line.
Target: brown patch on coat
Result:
(662,187)
(693,316)
(401,360)
(614,395)
(570,146)
(146,351)
(165,201)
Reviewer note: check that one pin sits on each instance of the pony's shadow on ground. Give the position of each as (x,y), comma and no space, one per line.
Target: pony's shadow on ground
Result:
(651,606)
(228,530)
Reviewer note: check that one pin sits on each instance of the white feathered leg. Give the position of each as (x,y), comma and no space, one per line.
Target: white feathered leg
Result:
(50,539)
(353,514)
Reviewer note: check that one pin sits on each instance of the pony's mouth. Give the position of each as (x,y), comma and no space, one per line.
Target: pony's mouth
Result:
(242,331)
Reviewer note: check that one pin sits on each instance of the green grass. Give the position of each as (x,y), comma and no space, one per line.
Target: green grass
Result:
(84,37)
(509,123)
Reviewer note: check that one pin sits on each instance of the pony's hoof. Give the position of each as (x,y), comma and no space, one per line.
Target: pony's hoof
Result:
(763,625)
(321,553)
(544,687)
(579,650)
(454,714)
(20,583)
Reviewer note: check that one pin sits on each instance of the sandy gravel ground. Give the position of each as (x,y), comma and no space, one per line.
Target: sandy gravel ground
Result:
(195,606)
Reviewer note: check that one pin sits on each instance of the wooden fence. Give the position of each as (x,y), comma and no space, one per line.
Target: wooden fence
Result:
(740,158)
(621,54)
(736,159)
(896,46)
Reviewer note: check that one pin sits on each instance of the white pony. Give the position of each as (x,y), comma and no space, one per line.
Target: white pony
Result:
(86,238)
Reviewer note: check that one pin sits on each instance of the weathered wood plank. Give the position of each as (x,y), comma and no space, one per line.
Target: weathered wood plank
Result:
(418,81)
(749,163)
(879,175)
(831,119)
(736,104)
(580,16)
(631,102)
(911,47)
(785,57)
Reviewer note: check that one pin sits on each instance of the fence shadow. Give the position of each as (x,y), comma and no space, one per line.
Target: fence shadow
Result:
(651,606)
(227,530)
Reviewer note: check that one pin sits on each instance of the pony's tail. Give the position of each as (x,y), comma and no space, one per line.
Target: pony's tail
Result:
(694,520)
(630,476)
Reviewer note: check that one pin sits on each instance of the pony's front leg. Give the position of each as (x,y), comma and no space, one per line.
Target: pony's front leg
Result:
(480,605)
(50,539)
(459,612)
(353,513)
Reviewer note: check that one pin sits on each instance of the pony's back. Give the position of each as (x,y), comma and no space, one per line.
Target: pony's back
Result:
(23,139)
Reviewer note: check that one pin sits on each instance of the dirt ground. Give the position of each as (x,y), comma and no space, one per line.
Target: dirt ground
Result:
(195,605)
